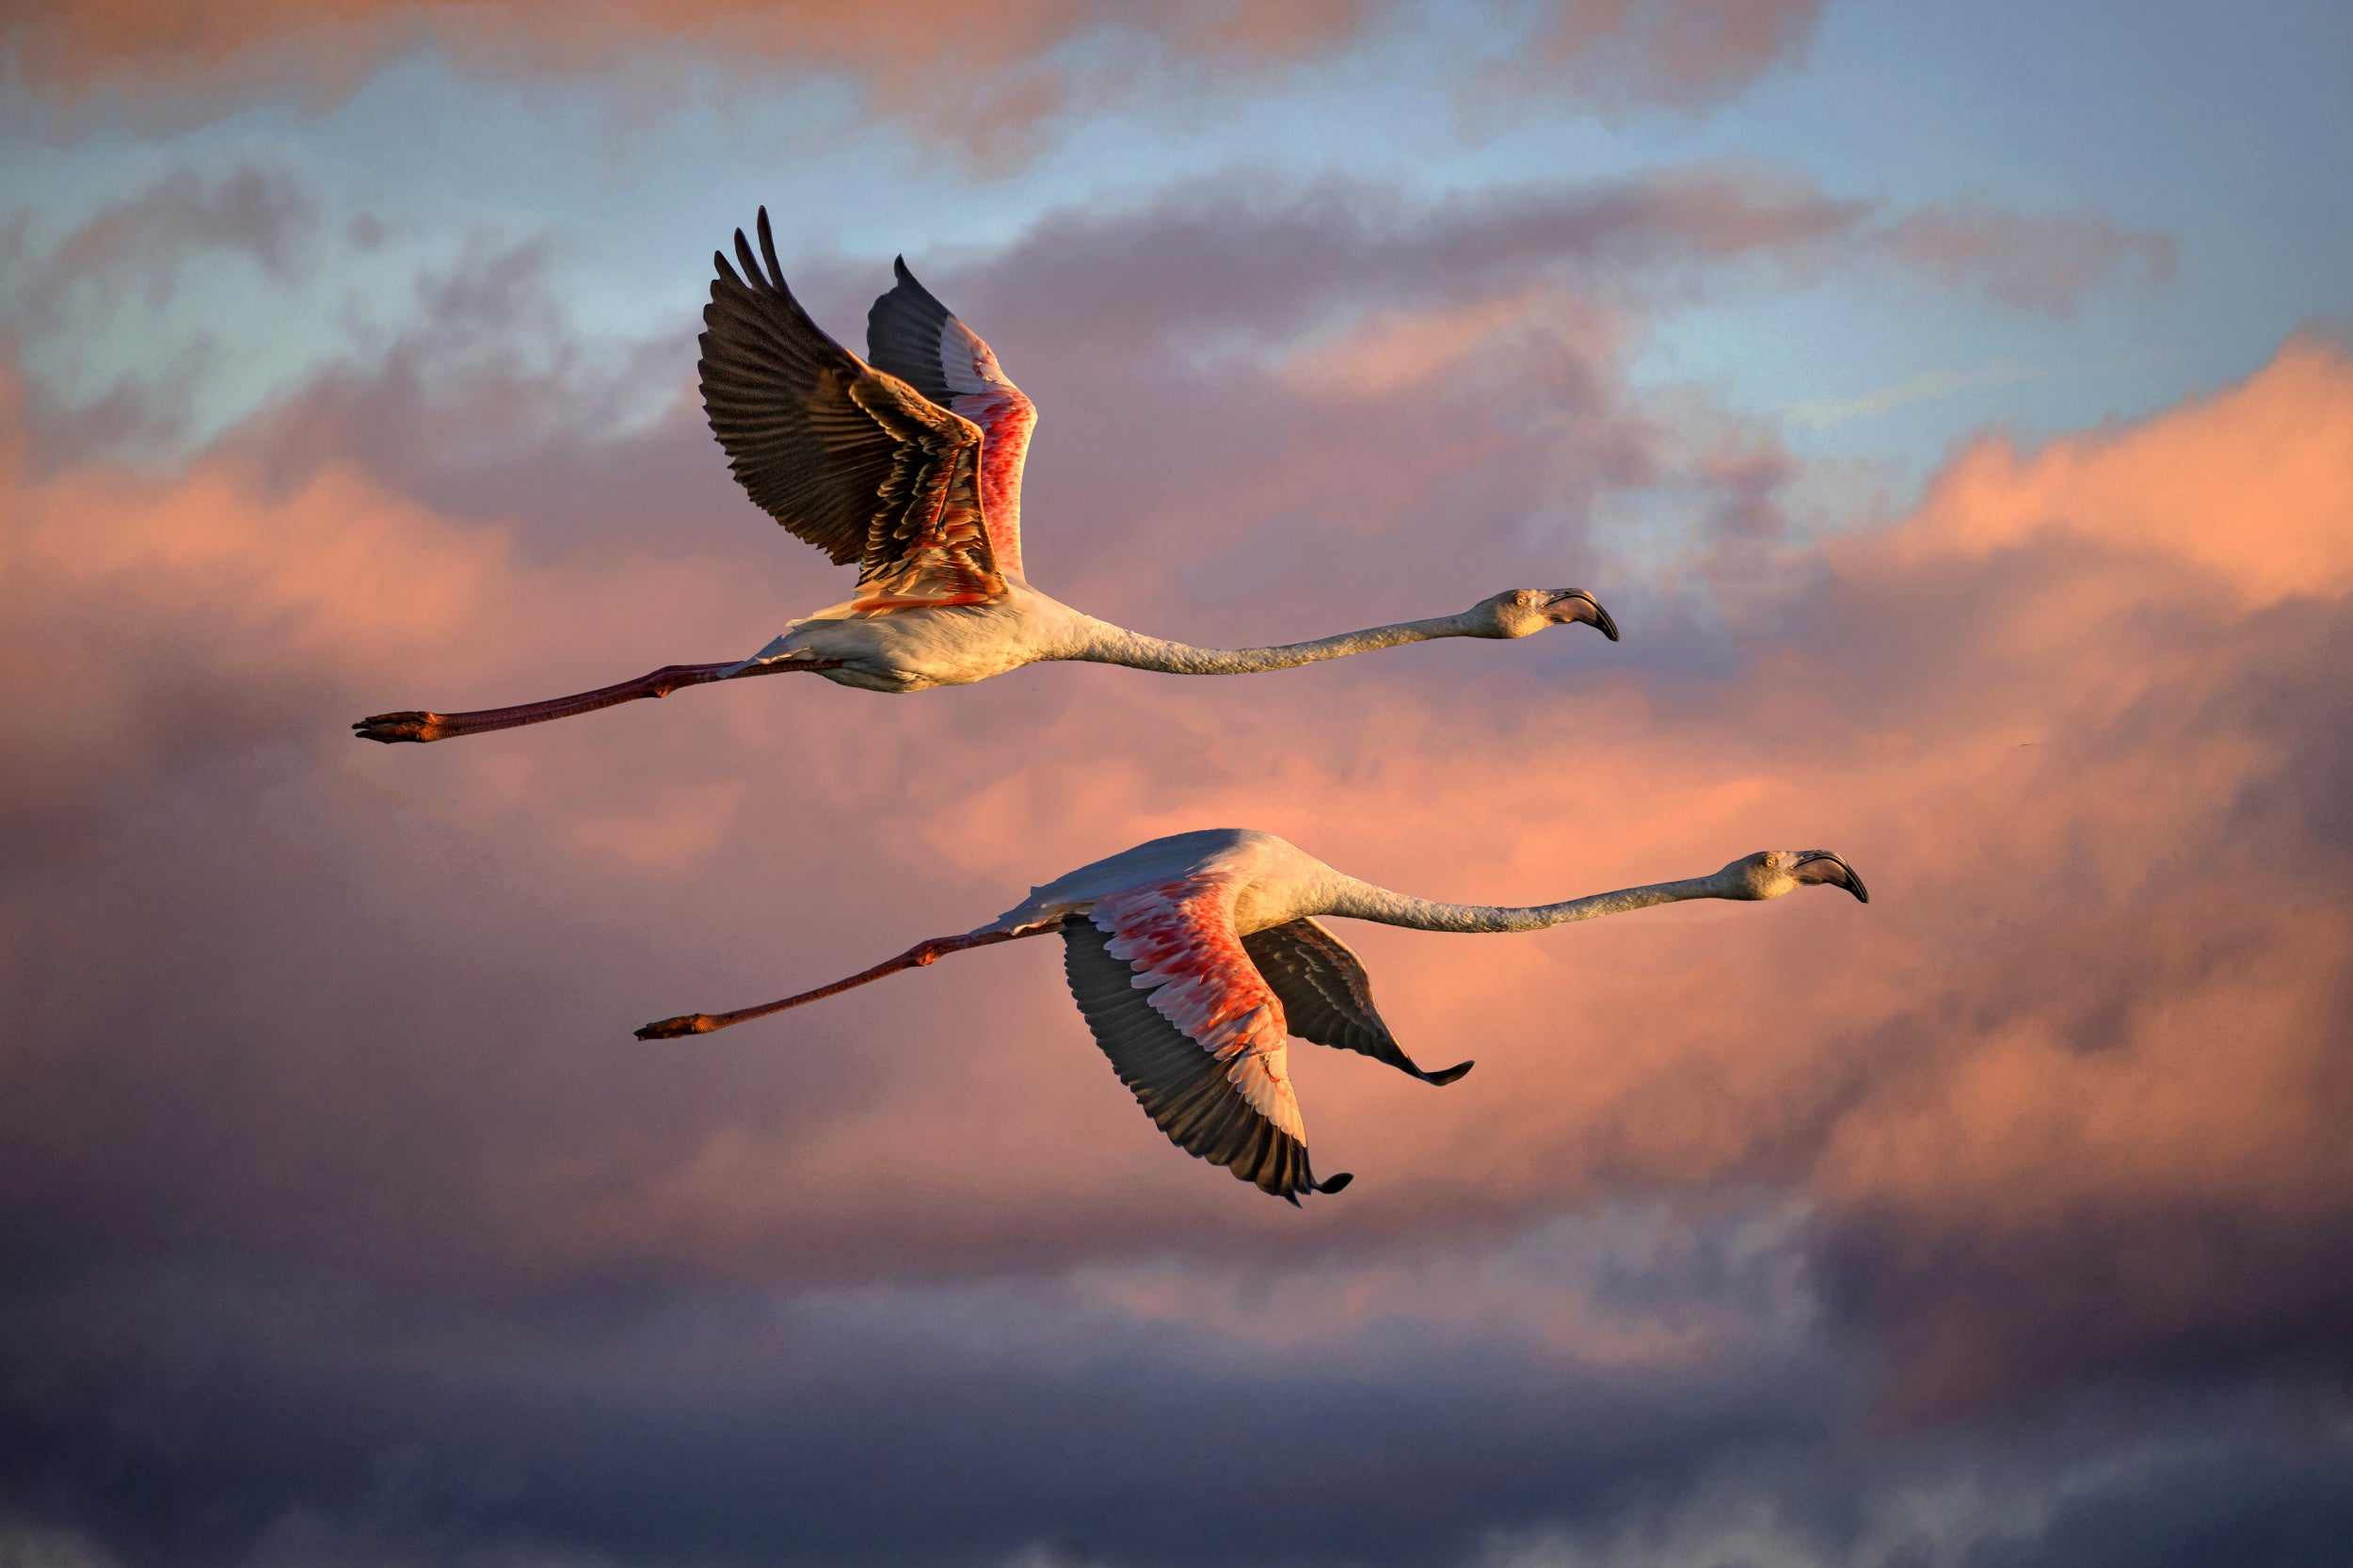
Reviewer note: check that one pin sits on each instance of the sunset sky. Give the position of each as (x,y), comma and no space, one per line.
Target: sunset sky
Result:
(1953,404)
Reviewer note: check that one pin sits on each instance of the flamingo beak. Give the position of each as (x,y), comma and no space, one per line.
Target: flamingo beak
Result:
(1585,607)
(1820,865)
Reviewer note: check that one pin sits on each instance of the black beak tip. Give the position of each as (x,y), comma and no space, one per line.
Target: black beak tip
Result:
(1846,875)
(1602,621)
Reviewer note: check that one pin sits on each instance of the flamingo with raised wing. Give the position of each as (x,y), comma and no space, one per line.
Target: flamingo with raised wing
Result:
(910,466)
(1194,957)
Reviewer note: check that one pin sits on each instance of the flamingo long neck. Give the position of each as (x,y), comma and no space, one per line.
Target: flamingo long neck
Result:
(1362,900)
(1102,643)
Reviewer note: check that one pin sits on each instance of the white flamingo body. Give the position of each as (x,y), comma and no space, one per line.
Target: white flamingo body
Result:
(1274,880)
(1195,957)
(911,467)
(919,646)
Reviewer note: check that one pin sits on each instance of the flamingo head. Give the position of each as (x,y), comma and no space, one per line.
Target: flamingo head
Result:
(1771,872)
(1524,612)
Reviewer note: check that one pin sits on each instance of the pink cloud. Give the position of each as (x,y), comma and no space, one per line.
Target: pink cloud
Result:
(1631,52)
(2045,263)
(985,77)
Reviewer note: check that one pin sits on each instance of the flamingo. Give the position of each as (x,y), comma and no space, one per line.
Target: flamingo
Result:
(1193,957)
(911,467)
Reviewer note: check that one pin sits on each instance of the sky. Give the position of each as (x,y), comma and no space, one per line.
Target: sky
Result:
(1954,406)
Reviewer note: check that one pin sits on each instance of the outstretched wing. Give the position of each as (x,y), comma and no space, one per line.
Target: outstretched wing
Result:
(914,337)
(1327,995)
(1191,1028)
(857,462)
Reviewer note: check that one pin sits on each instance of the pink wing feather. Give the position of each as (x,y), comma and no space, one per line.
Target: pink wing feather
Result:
(912,335)
(1191,1027)
(1005,417)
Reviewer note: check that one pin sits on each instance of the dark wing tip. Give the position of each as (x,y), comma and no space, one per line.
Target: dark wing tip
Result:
(768,252)
(899,267)
(1445,1076)
(1333,1184)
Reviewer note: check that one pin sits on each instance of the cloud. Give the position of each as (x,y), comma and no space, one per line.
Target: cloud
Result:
(2115,490)
(145,239)
(2035,262)
(1823,412)
(135,343)
(1235,253)
(987,77)
(1349,282)
(1624,53)
(2171,1498)
(101,291)
(345,1218)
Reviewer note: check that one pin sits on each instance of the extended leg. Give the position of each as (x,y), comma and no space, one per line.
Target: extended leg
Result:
(914,958)
(414,726)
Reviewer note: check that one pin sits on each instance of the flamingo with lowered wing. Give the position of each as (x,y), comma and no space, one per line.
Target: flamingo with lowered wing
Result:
(1194,958)
(911,467)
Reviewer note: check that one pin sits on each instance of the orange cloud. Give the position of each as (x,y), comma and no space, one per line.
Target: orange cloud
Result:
(2251,486)
(981,74)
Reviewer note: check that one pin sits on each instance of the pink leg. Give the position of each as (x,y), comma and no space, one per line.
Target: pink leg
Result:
(914,958)
(411,724)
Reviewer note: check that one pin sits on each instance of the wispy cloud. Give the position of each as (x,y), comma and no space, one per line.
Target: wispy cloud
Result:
(2035,262)
(1821,414)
